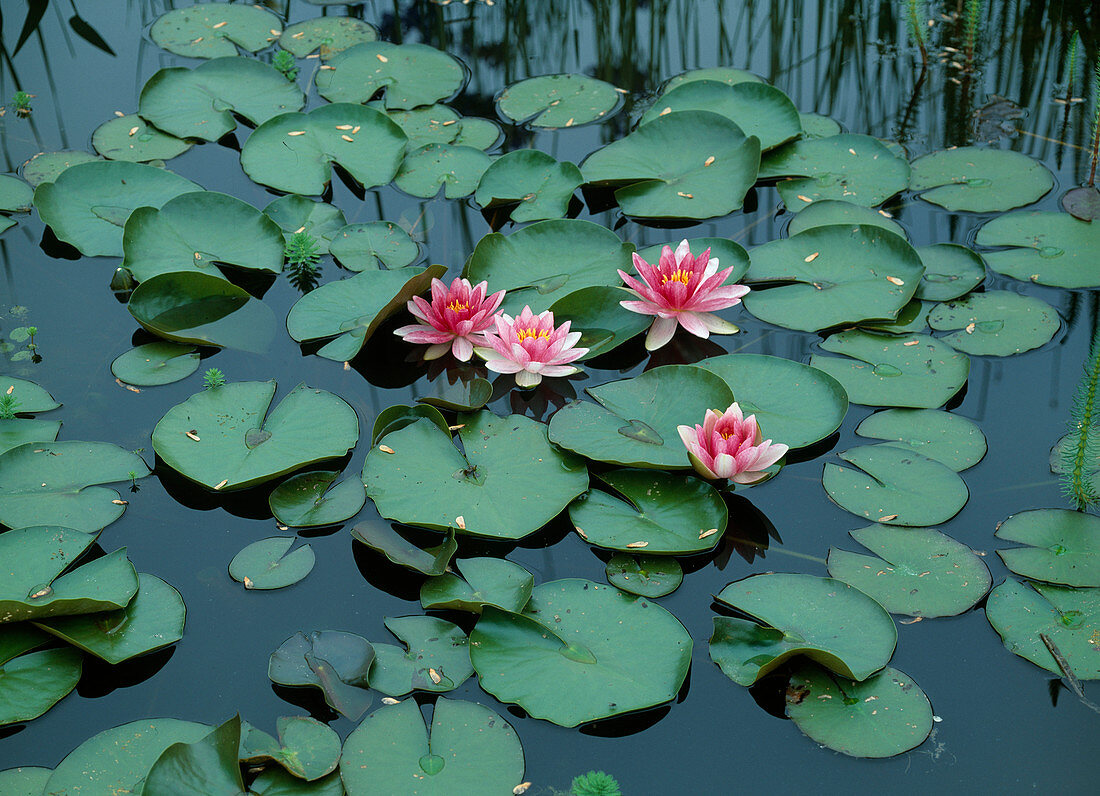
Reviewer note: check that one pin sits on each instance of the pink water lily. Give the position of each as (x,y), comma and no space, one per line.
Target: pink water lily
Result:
(730,445)
(455,320)
(530,346)
(682,290)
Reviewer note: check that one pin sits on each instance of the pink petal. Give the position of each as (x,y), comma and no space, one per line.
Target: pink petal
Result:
(660,332)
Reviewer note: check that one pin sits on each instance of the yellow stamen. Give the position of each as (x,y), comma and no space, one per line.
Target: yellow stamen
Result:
(456,306)
(523,334)
(679,275)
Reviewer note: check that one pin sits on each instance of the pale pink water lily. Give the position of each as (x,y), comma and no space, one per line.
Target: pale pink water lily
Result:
(456,319)
(682,290)
(530,346)
(730,445)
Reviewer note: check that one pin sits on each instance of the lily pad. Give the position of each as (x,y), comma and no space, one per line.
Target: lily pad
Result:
(976,180)
(19,431)
(294,152)
(595,312)
(633,421)
(435,657)
(1069,618)
(309,500)
(826,620)
(541,263)
(1082,202)
(996,323)
(131,138)
(331,660)
(722,74)
(387,540)
(483,581)
(912,319)
(212,30)
(47,166)
(373,245)
(896,486)
(883,370)
(483,134)
(842,274)
(794,403)
(1062,546)
(202,309)
(24,781)
(581,651)
(455,169)
(471,752)
(462,396)
(295,213)
(32,684)
(1048,248)
(154,364)
(536,184)
(552,101)
(658,512)
(814,125)
(351,310)
(915,571)
(208,765)
(266,565)
(15,196)
(691,164)
(950,271)
(508,482)
(56,483)
(855,168)
(326,35)
(430,124)
(19,637)
(87,206)
(410,74)
(826,212)
(398,416)
(647,576)
(31,397)
(306,748)
(949,439)
(883,716)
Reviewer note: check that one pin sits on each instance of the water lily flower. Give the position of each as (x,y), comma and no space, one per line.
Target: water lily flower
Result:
(682,290)
(456,319)
(530,346)
(730,445)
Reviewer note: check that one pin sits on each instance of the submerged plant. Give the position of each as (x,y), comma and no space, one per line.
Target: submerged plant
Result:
(595,783)
(731,446)
(284,62)
(1080,448)
(8,405)
(213,378)
(918,30)
(455,320)
(303,253)
(1071,64)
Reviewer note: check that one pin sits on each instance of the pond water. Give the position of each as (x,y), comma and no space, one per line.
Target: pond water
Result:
(1006,725)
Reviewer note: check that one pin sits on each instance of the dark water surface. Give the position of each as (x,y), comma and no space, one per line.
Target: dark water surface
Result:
(1004,727)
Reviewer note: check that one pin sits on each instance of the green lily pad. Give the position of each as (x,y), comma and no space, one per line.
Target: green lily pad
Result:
(208,765)
(294,152)
(996,323)
(47,166)
(658,512)
(410,74)
(949,439)
(720,74)
(647,576)
(1048,248)
(814,125)
(1069,618)
(794,403)
(483,134)
(295,213)
(691,164)
(633,422)
(435,657)
(331,660)
(32,684)
(266,565)
(595,312)
(883,370)
(131,138)
(154,364)
(546,261)
(757,108)
(202,309)
(883,716)
(534,182)
(462,396)
(19,431)
(398,416)
(24,781)
(351,310)
(240,444)
(912,319)
(823,619)
(1082,202)
(856,168)
(895,485)
(950,271)
(31,397)
(194,231)
(19,637)
(842,274)
(471,752)
(306,748)
(552,101)
(56,483)
(915,571)
(483,581)
(87,206)
(581,651)
(387,540)
(327,35)
(976,180)
(373,245)
(153,620)
(213,30)
(431,124)
(507,482)
(15,196)
(309,500)
(455,169)
(1062,546)
(826,212)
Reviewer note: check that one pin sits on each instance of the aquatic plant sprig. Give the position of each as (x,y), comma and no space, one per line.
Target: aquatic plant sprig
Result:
(284,62)
(1095,142)
(918,31)
(9,404)
(303,253)
(213,378)
(595,783)
(21,104)
(973,13)
(1070,69)
(1083,441)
